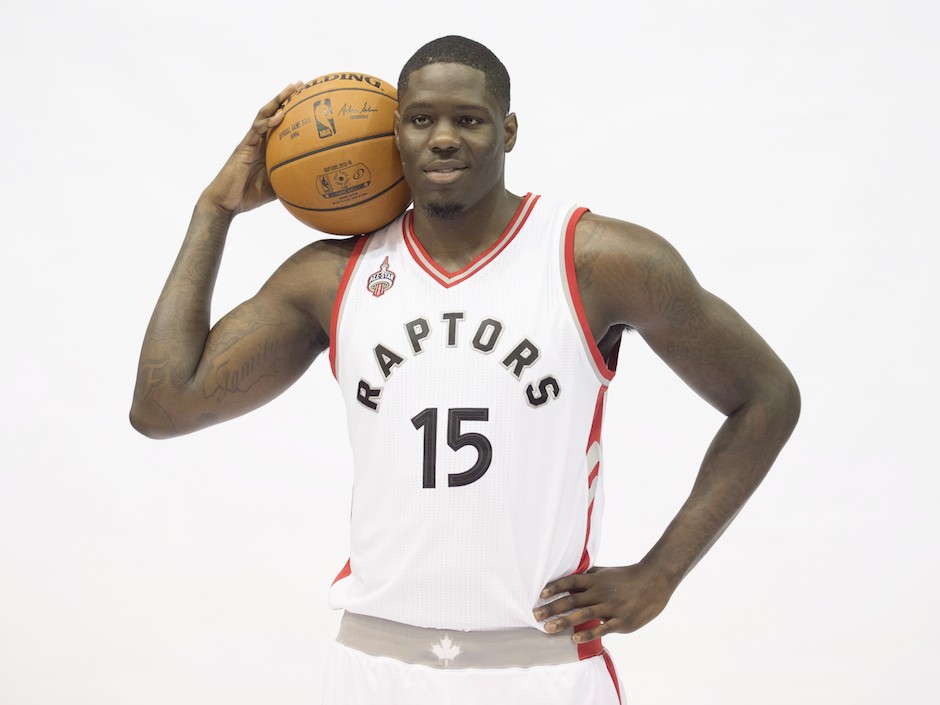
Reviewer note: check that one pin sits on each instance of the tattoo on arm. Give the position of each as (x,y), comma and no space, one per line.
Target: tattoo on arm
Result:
(247,349)
(232,375)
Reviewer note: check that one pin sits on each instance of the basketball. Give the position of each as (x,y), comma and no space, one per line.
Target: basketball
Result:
(332,161)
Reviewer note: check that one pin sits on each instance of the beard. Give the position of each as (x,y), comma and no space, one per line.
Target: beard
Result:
(443,211)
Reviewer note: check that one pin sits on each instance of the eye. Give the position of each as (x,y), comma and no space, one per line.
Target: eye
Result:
(470,121)
(420,121)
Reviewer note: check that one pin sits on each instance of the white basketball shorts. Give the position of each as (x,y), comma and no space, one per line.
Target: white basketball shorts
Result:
(375,661)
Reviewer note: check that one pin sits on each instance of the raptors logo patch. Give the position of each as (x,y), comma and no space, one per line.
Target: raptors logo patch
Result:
(382,280)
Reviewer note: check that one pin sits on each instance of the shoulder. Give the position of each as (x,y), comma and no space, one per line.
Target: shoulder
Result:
(309,279)
(319,265)
(618,242)
(625,271)
(328,254)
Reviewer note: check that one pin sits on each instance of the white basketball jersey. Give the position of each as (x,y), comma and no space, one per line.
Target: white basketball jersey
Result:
(474,403)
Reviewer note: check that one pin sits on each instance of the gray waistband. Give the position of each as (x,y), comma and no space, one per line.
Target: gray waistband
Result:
(445,648)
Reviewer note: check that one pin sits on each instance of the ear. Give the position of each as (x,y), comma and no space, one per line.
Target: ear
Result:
(395,128)
(511,127)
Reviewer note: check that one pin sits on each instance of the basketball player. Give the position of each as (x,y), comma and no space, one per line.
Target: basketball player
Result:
(474,339)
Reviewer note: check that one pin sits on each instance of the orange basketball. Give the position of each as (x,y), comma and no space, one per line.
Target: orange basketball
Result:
(332,161)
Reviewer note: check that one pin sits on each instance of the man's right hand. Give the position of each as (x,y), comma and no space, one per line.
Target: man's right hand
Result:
(243,183)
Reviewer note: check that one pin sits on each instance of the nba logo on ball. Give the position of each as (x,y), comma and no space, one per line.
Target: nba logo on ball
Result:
(323,114)
(333,161)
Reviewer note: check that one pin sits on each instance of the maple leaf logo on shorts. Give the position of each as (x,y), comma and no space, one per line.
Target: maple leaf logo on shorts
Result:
(446,650)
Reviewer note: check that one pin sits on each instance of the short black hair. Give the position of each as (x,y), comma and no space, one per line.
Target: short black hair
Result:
(454,49)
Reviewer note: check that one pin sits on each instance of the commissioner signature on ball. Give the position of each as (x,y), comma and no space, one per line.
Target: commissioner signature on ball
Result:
(347,109)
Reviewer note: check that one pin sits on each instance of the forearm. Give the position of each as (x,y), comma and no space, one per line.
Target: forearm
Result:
(176,336)
(735,464)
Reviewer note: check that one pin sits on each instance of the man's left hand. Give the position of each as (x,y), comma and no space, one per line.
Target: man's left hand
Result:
(623,599)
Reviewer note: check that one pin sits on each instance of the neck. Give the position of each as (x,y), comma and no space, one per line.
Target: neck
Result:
(453,242)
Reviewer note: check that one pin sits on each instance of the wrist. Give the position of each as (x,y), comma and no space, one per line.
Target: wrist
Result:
(665,572)
(209,206)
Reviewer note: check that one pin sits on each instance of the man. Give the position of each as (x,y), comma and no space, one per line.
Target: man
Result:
(471,572)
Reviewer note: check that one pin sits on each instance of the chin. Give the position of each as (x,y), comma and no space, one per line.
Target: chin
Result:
(443,211)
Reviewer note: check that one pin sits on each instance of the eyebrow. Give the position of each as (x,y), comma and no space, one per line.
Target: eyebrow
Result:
(428,106)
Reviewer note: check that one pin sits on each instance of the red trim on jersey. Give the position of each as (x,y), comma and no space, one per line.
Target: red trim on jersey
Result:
(613,674)
(585,556)
(449,279)
(593,437)
(592,648)
(344,573)
(337,303)
(594,473)
(599,362)
(589,649)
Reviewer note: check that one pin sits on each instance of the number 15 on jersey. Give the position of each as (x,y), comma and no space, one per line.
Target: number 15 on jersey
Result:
(428,419)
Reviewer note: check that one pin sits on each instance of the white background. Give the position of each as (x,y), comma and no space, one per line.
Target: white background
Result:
(788,149)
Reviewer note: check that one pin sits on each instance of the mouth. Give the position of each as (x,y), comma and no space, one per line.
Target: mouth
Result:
(444,172)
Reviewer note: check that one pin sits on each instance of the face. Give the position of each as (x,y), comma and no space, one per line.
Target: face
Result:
(453,139)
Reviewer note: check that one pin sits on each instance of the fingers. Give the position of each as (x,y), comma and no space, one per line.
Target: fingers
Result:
(560,606)
(597,630)
(604,600)
(274,105)
(570,621)
(570,583)
(592,616)
(576,608)
(576,587)
(585,607)
(288,91)
(272,112)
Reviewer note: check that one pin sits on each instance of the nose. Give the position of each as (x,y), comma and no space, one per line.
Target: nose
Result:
(444,137)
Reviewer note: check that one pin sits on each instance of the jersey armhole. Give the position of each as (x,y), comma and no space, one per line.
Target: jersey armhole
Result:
(604,371)
(340,297)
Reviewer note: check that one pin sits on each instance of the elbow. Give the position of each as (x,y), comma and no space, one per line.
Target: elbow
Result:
(788,403)
(775,406)
(795,402)
(155,426)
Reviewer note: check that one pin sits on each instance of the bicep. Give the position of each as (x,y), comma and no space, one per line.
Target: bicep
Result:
(260,348)
(253,354)
(712,348)
(264,345)
(642,281)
